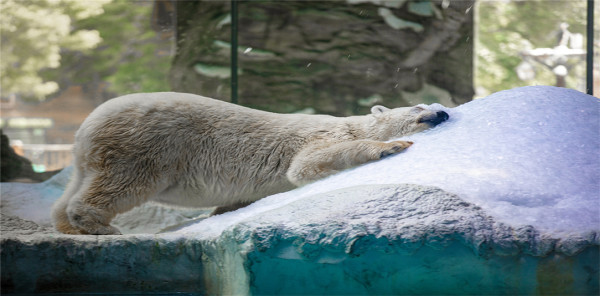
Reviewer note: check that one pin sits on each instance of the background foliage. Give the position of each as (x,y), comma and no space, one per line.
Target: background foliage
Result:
(507,27)
(33,33)
(129,59)
(106,46)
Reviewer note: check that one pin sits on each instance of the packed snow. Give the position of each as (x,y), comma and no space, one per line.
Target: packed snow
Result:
(527,156)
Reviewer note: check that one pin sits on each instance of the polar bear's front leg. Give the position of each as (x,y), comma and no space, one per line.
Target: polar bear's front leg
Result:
(318,161)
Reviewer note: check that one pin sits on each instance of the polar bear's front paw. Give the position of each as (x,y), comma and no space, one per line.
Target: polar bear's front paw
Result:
(394,147)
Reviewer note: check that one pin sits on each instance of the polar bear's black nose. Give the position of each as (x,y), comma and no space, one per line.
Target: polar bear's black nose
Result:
(435,119)
(442,116)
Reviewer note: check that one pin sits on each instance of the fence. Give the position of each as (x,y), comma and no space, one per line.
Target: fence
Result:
(46,157)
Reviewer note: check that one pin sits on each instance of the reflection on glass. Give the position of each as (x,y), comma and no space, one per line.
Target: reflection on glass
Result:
(61,59)
(530,43)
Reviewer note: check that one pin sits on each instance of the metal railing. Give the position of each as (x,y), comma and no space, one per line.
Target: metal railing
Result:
(46,157)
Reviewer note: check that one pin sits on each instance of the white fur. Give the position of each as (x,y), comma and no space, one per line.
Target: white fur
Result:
(192,151)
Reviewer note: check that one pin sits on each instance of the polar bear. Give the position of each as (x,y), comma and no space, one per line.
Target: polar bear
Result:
(192,151)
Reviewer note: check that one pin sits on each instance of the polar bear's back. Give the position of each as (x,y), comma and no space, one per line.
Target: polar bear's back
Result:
(192,141)
(164,112)
(143,102)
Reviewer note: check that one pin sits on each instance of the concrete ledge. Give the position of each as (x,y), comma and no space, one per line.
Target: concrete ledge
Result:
(36,259)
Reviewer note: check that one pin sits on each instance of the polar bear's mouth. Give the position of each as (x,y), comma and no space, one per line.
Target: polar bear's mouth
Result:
(434,119)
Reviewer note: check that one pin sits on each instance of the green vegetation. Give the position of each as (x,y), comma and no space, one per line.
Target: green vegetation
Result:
(33,33)
(130,58)
(505,28)
(48,45)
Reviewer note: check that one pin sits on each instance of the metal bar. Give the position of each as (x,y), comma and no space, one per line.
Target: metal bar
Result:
(47,147)
(590,48)
(234,51)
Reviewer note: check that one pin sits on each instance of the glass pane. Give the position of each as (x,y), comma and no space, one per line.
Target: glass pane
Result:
(61,59)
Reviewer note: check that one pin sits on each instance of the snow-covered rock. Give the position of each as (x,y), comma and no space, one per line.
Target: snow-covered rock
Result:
(397,240)
(505,199)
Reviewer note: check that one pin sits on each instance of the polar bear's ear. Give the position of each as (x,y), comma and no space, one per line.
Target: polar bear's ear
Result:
(377,109)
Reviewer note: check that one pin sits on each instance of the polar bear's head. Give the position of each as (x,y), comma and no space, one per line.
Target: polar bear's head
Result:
(398,122)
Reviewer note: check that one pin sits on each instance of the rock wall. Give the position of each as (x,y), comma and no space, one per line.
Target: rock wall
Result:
(331,56)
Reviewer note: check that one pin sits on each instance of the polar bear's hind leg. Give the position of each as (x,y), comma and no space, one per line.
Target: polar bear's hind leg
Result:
(107,195)
(59,209)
